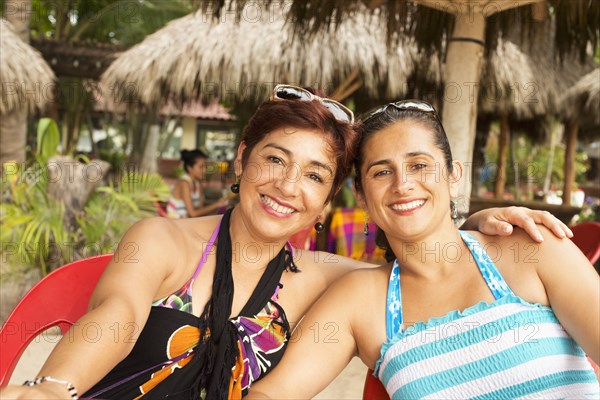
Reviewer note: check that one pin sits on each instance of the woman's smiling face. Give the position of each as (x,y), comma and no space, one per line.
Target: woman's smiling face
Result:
(406,186)
(285,181)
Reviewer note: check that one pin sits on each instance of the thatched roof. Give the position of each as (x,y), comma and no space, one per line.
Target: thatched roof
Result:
(582,100)
(525,80)
(24,74)
(198,56)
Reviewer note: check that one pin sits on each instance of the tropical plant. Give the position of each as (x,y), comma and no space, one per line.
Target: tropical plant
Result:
(35,231)
(32,222)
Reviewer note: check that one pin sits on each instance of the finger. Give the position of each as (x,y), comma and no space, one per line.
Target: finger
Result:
(496,227)
(529,226)
(554,224)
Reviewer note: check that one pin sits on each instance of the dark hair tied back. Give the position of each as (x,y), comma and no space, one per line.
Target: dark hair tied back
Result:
(189,157)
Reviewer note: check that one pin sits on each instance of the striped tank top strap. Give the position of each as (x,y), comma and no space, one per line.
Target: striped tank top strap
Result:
(209,246)
(490,273)
(393,316)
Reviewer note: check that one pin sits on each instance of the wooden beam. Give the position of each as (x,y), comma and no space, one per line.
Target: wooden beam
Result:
(79,60)
(462,7)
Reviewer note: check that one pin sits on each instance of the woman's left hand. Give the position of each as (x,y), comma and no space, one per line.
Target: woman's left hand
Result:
(500,221)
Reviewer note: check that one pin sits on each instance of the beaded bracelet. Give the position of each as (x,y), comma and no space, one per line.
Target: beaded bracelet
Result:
(70,387)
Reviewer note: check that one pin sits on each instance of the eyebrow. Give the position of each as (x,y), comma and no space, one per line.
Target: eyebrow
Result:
(289,154)
(389,161)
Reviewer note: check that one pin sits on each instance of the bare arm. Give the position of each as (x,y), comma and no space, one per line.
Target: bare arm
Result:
(573,289)
(117,308)
(321,347)
(492,221)
(186,196)
(500,221)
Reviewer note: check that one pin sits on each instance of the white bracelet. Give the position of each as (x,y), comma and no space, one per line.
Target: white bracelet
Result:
(70,387)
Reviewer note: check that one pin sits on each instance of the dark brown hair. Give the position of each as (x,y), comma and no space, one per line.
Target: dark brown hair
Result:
(388,117)
(273,115)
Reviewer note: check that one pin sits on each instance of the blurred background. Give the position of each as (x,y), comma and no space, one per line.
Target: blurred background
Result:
(98,97)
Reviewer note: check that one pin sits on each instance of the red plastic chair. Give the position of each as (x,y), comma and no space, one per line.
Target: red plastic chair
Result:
(59,299)
(374,389)
(586,236)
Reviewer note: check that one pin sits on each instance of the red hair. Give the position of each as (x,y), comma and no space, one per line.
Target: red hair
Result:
(273,115)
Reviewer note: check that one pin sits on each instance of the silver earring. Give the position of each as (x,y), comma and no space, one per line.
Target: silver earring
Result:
(454,209)
(366,228)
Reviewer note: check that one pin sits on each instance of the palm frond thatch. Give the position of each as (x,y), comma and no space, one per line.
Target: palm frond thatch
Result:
(526,80)
(24,74)
(199,57)
(582,100)
(429,22)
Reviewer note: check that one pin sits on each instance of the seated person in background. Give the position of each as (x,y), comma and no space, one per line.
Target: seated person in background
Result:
(187,198)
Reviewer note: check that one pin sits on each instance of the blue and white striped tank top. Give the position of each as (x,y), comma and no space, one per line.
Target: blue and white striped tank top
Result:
(505,349)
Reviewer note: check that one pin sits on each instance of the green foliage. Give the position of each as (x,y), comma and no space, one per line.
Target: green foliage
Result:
(532,161)
(31,221)
(119,22)
(111,210)
(48,139)
(34,231)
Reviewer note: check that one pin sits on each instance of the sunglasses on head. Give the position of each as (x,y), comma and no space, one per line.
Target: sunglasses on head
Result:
(289,92)
(405,105)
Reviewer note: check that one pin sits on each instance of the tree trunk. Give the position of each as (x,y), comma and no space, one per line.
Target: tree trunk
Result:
(549,164)
(72,182)
(481,137)
(572,129)
(502,152)
(463,71)
(18,13)
(150,158)
(13,126)
(13,132)
(515,163)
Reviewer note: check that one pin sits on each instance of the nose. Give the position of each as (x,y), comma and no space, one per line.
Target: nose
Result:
(404,183)
(287,181)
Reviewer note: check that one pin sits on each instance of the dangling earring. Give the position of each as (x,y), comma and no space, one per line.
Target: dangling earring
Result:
(235,188)
(454,209)
(319,227)
(366,228)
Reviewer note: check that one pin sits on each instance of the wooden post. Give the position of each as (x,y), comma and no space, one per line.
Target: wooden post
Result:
(502,153)
(572,129)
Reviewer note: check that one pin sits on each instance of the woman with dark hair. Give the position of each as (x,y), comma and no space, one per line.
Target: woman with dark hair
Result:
(457,314)
(206,306)
(187,197)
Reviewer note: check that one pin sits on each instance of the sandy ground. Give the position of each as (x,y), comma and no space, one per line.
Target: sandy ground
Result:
(348,385)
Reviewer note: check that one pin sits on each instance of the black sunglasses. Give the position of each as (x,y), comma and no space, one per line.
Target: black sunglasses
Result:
(405,105)
(289,92)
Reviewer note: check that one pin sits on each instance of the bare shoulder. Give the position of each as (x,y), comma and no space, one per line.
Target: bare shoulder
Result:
(364,281)
(521,249)
(151,253)
(524,263)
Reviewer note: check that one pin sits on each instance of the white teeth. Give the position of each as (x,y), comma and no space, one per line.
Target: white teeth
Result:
(408,206)
(276,206)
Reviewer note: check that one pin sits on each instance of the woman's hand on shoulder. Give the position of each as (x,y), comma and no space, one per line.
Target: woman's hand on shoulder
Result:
(500,221)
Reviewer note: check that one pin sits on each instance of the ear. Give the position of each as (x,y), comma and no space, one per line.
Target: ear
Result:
(360,198)
(455,178)
(237,164)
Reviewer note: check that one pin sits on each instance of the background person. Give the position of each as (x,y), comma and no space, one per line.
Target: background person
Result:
(187,197)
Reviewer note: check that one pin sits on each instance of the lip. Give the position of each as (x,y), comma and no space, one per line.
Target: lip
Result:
(406,201)
(273,212)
